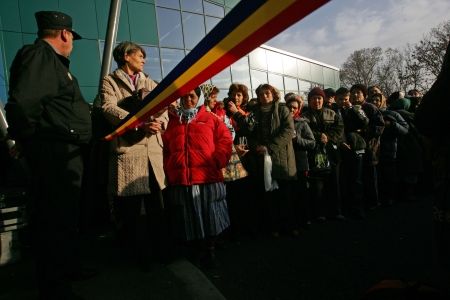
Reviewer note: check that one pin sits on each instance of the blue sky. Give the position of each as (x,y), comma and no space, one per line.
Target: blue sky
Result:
(334,31)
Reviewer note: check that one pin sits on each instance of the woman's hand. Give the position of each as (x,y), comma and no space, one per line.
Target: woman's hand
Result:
(232,107)
(153,127)
(324,138)
(241,149)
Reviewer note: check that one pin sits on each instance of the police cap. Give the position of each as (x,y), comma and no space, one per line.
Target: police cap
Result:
(55,20)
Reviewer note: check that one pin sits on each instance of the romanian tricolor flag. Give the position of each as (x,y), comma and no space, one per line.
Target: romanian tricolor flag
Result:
(248,25)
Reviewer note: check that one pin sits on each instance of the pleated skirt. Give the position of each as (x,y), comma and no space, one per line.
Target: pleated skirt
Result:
(198,211)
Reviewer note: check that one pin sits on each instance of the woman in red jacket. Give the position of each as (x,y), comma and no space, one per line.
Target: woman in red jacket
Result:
(197,145)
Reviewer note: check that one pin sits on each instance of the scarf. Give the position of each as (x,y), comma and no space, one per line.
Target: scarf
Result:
(188,114)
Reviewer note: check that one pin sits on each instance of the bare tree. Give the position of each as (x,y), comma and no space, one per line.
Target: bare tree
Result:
(429,52)
(360,66)
(412,73)
(399,70)
(388,71)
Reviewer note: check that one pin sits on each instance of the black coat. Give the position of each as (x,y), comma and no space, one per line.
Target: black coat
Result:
(45,101)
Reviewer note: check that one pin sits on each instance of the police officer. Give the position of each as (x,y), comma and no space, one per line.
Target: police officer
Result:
(50,121)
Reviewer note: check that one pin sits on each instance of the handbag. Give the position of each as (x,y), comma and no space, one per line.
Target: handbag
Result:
(132,104)
(234,169)
(320,164)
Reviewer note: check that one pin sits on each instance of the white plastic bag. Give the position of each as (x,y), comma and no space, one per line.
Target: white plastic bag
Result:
(269,183)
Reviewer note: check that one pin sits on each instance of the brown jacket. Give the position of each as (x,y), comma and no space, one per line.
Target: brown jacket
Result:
(130,164)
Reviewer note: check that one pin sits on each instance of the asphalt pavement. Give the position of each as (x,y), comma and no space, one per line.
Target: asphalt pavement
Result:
(332,260)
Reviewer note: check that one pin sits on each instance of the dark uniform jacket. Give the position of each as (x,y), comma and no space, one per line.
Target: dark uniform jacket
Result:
(45,101)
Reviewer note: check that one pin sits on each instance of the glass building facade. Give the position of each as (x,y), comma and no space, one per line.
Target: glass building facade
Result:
(168,30)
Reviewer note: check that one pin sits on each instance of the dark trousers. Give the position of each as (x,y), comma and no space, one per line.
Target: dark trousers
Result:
(301,201)
(56,177)
(352,183)
(333,190)
(387,179)
(240,206)
(142,224)
(370,181)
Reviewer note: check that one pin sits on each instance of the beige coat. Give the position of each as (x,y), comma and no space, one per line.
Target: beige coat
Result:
(129,165)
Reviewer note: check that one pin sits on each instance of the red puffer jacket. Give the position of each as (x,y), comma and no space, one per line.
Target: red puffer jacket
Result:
(195,153)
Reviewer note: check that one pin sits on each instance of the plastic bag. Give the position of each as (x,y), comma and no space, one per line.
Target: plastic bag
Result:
(269,183)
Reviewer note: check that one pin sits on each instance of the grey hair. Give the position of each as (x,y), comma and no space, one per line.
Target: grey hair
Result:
(126,48)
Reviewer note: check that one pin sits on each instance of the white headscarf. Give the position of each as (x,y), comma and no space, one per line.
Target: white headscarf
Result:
(188,114)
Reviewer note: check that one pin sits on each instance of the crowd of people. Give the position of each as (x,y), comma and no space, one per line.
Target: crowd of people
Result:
(202,167)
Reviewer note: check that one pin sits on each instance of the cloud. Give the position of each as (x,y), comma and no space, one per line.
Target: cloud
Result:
(341,27)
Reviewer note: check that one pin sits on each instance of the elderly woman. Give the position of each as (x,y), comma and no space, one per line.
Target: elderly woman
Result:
(197,145)
(270,129)
(136,175)
(327,127)
(303,142)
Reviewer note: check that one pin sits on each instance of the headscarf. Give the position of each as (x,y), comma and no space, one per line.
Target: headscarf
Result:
(207,90)
(188,114)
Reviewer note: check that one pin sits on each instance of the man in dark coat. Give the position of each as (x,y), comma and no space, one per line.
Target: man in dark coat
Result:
(50,121)
(431,119)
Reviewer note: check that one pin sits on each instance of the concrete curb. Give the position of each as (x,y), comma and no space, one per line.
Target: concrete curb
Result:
(196,283)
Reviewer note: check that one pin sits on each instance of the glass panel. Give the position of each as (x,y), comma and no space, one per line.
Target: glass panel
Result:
(12,42)
(231,3)
(289,66)
(213,10)
(328,75)
(168,3)
(3,89)
(192,6)
(211,23)
(2,65)
(223,79)
(290,84)
(317,73)
(276,81)
(153,64)
(258,59)
(89,92)
(27,10)
(10,16)
(337,79)
(220,2)
(169,28)
(258,78)
(83,15)
(101,47)
(240,71)
(274,62)
(143,29)
(304,69)
(223,93)
(304,86)
(3,94)
(170,58)
(193,28)
(84,64)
